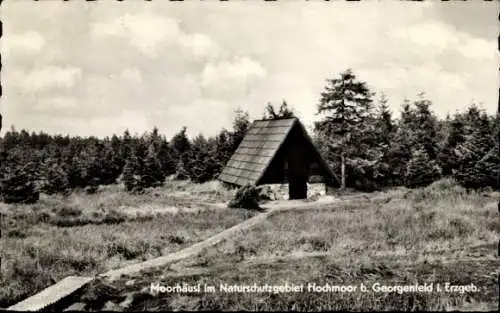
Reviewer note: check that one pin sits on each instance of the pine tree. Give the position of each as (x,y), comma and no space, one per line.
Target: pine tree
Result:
(222,149)
(131,178)
(241,123)
(346,105)
(152,174)
(181,146)
(421,170)
(425,126)
(202,161)
(478,154)
(385,131)
(417,127)
(55,177)
(18,183)
(165,156)
(384,123)
(180,143)
(455,135)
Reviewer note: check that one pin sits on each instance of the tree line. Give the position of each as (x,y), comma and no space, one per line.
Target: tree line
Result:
(371,150)
(357,135)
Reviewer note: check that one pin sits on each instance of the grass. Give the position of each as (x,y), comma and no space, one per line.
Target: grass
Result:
(436,234)
(88,234)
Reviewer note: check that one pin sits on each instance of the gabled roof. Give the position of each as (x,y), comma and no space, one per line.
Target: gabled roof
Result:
(258,148)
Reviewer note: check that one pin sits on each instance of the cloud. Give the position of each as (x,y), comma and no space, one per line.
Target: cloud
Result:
(131,74)
(171,65)
(200,46)
(211,115)
(127,119)
(50,77)
(144,31)
(134,121)
(478,49)
(150,33)
(29,42)
(433,34)
(56,104)
(231,78)
(429,38)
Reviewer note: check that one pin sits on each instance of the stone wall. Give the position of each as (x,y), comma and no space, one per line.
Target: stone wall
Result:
(280,191)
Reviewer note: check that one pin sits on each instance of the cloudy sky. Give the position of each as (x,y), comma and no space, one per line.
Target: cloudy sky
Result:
(98,68)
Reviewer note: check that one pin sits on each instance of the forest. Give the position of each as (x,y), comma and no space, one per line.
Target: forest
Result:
(365,144)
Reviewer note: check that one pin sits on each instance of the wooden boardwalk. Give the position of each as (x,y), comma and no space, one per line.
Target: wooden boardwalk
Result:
(51,295)
(72,284)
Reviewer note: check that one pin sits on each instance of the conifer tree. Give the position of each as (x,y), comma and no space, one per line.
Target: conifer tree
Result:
(55,177)
(455,135)
(152,174)
(202,161)
(18,182)
(131,178)
(478,155)
(345,105)
(241,123)
(421,170)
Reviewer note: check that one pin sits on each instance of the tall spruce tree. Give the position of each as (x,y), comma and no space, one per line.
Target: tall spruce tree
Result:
(151,173)
(425,126)
(20,174)
(455,135)
(478,155)
(421,170)
(181,146)
(345,105)
(385,131)
(384,122)
(131,175)
(202,161)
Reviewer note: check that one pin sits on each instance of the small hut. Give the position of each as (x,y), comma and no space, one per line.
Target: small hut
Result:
(275,152)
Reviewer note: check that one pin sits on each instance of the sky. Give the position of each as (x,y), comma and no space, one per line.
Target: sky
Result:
(98,68)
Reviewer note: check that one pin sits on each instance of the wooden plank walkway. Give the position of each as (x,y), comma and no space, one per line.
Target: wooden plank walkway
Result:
(193,250)
(51,295)
(197,248)
(72,284)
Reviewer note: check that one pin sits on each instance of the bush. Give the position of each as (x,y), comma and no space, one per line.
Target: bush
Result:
(246,197)
(69,212)
(114,217)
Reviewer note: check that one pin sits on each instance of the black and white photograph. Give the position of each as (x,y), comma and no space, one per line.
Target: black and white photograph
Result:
(240,155)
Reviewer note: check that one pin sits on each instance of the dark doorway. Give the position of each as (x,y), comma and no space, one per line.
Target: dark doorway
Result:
(297,187)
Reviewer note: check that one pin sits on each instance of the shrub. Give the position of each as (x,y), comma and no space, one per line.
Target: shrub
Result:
(246,197)
(69,211)
(69,221)
(114,217)
(16,233)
